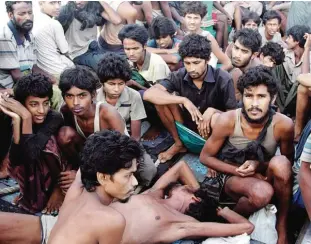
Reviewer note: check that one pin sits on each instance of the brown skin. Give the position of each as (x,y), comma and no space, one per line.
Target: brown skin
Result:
(252,185)
(166,215)
(304,184)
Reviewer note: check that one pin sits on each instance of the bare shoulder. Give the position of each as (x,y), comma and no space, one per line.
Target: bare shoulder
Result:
(108,217)
(226,120)
(282,124)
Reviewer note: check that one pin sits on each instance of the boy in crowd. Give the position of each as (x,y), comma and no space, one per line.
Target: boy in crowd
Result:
(35,160)
(270,29)
(163,41)
(271,54)
(194,12)
(201,89)
(242,146)
(149,65)
(83,117)
(113,72)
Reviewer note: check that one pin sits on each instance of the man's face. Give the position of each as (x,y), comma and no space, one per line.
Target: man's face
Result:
(272,26)
(78,101)
(196,67)
(267,61)
(193,22)
(251,24)
(22,16)
(121,185)
(38,108)
(134,51)
(80,4)
(241,55)
(114,88)
(164,42)
(50,8)
(291,43)
(185,195)
(256,103)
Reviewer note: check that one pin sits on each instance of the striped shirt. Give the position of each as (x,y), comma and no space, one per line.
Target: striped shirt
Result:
(15,53)
(305,157)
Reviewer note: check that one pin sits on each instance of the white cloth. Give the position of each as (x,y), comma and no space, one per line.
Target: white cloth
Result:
(240,239)
(50,43)
(47,224)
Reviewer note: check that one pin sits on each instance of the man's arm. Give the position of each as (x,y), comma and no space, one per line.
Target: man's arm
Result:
(286,132)
(109,14)
(304,79)
(305,67)
(112,117)
(223,128)
(136,129)
(304,178)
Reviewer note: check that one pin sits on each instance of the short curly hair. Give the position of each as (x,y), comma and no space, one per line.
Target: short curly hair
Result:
(195,45)
(36,85)
(194,7)
(107,152)
(113,66)
(81,77)
(162,27)
(249,38)
(298,32)
(9,5)
(251,16)
(269,15)
(135,32)
(259,75)
(274,50)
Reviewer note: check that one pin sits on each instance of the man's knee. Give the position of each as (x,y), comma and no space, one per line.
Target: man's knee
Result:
(281,168)
(260,194)
(66,135)
(147,169)
(303,90)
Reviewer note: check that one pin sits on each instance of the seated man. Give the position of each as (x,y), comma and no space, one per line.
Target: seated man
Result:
(35,159)
(163,42)
(270,29)
(242,146)
(163,199)
(201,89)
(83,117)
(150,66)
(194,12)
(296,62)
(271,54)
(113,72)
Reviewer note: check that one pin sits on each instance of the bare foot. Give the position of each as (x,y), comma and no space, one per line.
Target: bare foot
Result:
(171,152)
(55,202)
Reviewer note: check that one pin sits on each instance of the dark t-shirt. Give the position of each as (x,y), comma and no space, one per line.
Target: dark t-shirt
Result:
(217,91)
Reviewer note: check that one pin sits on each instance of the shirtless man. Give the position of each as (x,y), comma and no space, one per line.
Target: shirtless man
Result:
(160,220)
(84,117)
(251,172)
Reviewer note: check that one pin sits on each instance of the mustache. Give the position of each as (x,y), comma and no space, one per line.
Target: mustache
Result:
(254,109)
(27,22)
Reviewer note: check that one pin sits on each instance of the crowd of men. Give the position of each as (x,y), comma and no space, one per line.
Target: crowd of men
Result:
(78,80)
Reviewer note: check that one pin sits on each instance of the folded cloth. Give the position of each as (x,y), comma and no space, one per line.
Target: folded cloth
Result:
(47,224)
(240,239)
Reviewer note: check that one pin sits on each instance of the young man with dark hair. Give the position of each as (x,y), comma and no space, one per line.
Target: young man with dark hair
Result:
(83,117)
(149,65)
(201,89)
(271,54)
(114,72)
(35,160)
(194,12)
(182,205)
(242,146)
(296,62)
(270,30)
(163,41)
(251,20)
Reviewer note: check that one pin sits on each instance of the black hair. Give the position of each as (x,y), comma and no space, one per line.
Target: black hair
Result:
(9,5)
(251,16)
(107,152)
(135,32)
(298,32)
(195,45)
(269,15)
(36,85)
(194,7)
(113,66)
(81,77)
(274,50)
(162,27)
(249,38)
(259,75)
(204,210)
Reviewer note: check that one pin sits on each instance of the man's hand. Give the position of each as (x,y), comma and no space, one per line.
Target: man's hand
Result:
(16,107)
(204,127)
(8,92)
(307,36)
(211,173)
(193,110)
(248,168)
(66,179)
(14,116)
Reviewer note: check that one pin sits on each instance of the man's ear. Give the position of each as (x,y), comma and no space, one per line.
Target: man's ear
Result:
(255,55)
(196,199)
(273,99)
(102,178)
(10,14)
(93,95)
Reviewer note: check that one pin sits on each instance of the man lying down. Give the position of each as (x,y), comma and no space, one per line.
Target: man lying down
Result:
(165,213)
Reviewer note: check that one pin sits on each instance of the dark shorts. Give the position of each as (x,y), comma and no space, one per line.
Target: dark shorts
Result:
(106,47)
(297,199)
